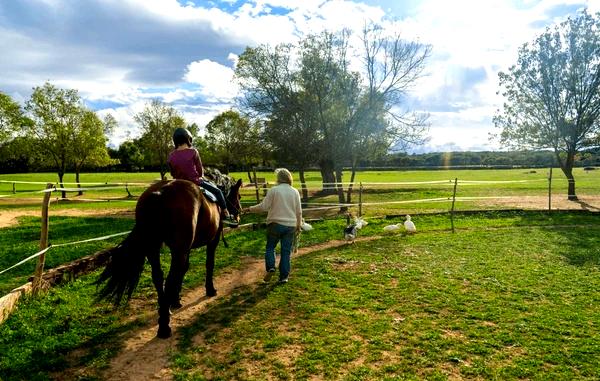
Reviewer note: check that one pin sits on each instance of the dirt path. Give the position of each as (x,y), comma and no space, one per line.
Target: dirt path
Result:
(145,357)
(11,217)
(591,203)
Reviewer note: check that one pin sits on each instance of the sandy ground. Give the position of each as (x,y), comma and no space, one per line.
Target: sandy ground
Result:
(591,203)
(10,217)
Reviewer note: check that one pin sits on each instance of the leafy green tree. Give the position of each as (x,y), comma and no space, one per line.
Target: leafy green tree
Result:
(20,155)
(55,113)
(89,141)
(271,90)
(235,140)
(67,132)
(158,121)
(11,117)
(130,155)
(552,93)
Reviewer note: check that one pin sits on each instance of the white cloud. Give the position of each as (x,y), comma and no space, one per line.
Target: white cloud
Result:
(215,79)
(129,51)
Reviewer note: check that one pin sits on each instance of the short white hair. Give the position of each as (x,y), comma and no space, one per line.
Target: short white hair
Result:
(284,176)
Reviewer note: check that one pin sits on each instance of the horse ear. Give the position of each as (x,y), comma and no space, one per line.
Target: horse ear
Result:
(238,183)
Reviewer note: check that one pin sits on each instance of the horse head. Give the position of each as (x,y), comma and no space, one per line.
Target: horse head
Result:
(233,200)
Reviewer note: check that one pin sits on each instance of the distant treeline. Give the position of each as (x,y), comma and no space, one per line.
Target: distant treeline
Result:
(481,159)
(34,162)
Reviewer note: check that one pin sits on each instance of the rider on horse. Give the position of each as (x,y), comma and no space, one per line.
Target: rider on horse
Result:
(185,163)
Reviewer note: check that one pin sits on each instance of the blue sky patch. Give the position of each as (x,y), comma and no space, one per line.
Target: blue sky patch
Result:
(102,104)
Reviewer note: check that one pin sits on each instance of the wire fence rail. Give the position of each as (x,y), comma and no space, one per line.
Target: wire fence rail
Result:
(307,206)
(259,189)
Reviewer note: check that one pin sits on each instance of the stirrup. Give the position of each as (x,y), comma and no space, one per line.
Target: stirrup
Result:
(230,221)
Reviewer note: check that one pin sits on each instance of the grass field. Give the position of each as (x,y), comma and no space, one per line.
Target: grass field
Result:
(414,185)
(510,295)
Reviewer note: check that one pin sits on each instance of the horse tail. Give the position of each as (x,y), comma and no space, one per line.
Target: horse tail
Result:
(123,269)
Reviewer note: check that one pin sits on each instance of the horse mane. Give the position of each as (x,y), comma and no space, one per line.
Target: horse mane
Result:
(221,180)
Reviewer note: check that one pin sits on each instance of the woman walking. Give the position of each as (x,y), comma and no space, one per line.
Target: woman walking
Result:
(284,219)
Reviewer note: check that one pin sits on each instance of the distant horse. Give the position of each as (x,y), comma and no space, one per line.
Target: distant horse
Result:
(176,213)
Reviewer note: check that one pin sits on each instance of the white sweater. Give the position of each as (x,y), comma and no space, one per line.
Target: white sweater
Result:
(282,203)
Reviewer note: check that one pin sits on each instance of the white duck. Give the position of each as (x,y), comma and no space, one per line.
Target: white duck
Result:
(306,226)
(391,228)
(409,225)
(360,222)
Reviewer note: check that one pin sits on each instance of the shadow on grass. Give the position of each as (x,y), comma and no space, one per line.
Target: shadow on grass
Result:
(223,314)
(581,249)
(574,234)
(45,358)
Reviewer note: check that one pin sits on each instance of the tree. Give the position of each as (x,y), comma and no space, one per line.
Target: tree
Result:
(309,91)
(235,140)
(130,155)
(20,155)
(271,91)
(552,93)
(11,117)
(55,113)
(89,141)
(158,122)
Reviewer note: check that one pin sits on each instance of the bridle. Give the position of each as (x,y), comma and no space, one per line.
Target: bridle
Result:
(236,210)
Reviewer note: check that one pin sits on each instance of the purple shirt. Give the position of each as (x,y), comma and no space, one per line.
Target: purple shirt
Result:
(186,164)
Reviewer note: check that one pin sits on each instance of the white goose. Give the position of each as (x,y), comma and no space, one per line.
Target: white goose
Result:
(409,225)
(391,228)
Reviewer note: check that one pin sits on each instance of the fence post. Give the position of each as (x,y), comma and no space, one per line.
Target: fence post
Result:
(453,200)
(127,189)
(14,189)
(550,190)
(256,185)
(360,190)
(39,268)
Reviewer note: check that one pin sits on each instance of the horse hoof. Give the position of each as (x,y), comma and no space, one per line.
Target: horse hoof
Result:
(211,292)
(164,333)
(177,305)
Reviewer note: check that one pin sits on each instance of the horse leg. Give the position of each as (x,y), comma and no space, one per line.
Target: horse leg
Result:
(179,263)
(210,266)
(164,330)
(176,303)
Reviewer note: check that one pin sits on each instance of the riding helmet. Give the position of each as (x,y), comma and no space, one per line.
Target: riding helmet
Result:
(182,136)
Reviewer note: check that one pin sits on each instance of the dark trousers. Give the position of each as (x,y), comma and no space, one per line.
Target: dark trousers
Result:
(212,188)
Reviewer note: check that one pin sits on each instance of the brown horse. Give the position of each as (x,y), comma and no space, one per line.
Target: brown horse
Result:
(178,214)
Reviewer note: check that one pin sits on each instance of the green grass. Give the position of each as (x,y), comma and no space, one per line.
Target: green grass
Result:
(510,295)
(507,304)
(19,242)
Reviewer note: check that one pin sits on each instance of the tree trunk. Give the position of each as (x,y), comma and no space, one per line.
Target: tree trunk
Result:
(571,189)
(350,186)
(80,193)
(61,174)
(340,189)
(328,176)
(163,171)
(567,168)
(303,185)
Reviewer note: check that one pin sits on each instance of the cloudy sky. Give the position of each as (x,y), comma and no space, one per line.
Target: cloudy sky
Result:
(121,53)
